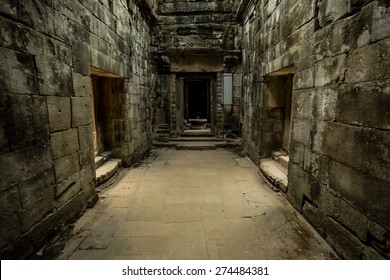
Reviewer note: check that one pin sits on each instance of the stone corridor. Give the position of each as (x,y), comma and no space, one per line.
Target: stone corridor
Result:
(181,204)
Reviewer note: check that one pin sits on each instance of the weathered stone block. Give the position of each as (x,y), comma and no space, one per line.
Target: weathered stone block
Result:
(55,78)
(377,161)
(317,166)
(42,231)
(9,7)
(376,231)
(297,179)
(87,176)
(81,66)
(331,10)
(330,71)
(66,166)
(342,241)
(85,136)
(300,131)
(24,164)
(36,185)
(315,217)
(355,5)
(304,79)
(308,51)
(59,113)
(81,111)
(324,104)
(302,104)
(27,40)
(295,196)
(350,139)
(88,197)
(370,253)
(23,122)
(197,6)
(17,72)
(313,190)
(64,143)
(9,202)
(380,21)
(271,6)
(308,186)
(299,14)
(37,15)
(67,189)
(297,152)
(333,206)
(378,238)
(9,230)
(9,37)
(350,33)
(369,63)
(372,97)
(87,157)
(81,85)
(365,193)
(33,211)
(71,182)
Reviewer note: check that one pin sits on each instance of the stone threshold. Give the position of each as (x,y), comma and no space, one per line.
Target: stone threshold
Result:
(198,143)
(107,169)
(275,170)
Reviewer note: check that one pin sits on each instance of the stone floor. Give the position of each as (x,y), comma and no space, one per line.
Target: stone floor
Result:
(179,204)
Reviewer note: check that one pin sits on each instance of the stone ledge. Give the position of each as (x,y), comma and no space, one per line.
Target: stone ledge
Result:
(107,171)
(275,173)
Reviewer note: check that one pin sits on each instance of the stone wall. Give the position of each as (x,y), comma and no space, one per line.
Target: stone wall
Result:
(196,25)
(196,37)
(47,159)
(339,151)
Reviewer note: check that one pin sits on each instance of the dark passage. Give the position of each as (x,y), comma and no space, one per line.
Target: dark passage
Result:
(198,100)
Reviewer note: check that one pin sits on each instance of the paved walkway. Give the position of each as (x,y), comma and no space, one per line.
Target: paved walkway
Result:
(193,205)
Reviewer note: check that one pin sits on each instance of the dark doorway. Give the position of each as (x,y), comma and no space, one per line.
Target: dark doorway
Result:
(198,100)
(106,91)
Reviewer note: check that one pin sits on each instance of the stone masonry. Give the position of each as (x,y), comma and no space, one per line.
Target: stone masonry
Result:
(309,79)
(339,151)
(46,156)
(196,39)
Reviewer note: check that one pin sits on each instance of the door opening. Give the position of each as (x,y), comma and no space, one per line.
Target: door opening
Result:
(197,103)
(105,93)
(278,102)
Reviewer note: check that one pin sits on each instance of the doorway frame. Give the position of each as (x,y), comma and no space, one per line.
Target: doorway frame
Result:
(187,97)
(182,96)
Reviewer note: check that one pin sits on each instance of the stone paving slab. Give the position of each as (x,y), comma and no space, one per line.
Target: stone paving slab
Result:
(180,204)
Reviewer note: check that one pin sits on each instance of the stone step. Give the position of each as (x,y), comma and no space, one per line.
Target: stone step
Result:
(163,130)
(275,173)
(283,160)
(163,144)
(197,132)
(102,158)
(197,145)
(196,139)
(107,171)
(99,160)
(281,157)
(106,155)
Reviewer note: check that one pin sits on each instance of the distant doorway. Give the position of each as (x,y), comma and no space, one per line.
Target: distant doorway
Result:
(197,103)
